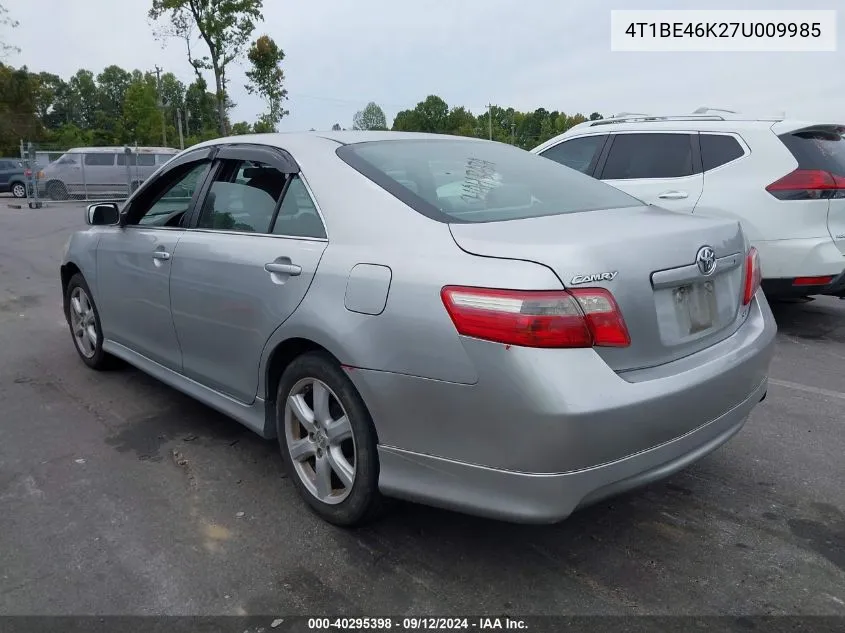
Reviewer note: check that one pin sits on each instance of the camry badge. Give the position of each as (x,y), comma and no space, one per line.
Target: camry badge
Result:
(586,279)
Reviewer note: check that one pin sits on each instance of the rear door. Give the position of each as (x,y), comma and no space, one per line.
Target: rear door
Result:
(821,149)
(659,168)
(243,266)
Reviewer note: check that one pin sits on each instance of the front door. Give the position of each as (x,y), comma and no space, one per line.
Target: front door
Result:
(658,168)
(134,263)
(243,268)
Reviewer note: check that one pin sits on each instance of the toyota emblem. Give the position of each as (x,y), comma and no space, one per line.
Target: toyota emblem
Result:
(706,260)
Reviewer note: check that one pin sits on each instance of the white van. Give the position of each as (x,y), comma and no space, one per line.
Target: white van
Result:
(83,172)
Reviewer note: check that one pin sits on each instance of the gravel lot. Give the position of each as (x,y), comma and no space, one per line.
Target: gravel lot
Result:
(118,495)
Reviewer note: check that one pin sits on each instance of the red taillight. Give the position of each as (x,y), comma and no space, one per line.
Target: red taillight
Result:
(753,275)
(812,281)
(807,184)
(537,318)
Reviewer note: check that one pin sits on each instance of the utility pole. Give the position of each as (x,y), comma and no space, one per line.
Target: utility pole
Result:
(490,110)
(161,107)
(179,125)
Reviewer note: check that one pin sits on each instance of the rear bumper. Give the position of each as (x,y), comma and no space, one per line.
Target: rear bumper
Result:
(545,431)
(784,288)
(548,498)
(805,257)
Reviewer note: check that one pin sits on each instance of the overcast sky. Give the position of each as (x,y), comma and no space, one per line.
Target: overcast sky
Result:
(527,54)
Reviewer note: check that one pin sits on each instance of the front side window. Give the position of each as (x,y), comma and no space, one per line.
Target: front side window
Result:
(577,153)
(68,159)
(242,197)
(99,159)
(478,181)
(174,199)
(298,215)
(649,155)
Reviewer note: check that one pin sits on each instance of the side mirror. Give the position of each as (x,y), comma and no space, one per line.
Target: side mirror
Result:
(103,214)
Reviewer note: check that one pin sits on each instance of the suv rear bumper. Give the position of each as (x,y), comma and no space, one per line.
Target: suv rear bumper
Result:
(784,260)
(785,288)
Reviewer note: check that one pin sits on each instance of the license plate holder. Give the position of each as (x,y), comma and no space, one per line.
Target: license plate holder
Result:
(696,307)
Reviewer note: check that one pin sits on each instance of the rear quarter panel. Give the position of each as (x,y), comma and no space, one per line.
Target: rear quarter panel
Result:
(414,334)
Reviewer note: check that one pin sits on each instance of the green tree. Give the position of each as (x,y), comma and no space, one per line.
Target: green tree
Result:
(84,98)
(267,78)
(142,118)
(202,118)
(224,26)
(18,100)
(240,128)
(336,127)
(595,116)
(430,115)
(370,118)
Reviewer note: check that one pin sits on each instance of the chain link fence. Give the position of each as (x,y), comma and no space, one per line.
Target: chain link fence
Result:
(88,173)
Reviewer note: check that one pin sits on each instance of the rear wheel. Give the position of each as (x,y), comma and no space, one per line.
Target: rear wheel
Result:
(19,190)
(328,441)
(84,322)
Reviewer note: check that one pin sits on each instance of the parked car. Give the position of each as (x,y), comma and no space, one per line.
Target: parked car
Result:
(783,179)
(12,178)
(100,171)
(516,340)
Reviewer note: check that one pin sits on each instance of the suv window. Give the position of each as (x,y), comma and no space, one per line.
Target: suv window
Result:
(242,197)
(175,198)
(99,159)
(649,155)
(577,153)
(298,216)
(718,149)
(478,181)
(817,149)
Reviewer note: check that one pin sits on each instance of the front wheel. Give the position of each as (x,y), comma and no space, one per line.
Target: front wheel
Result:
(328,441)
(84,322)
(56,190)
(19,190)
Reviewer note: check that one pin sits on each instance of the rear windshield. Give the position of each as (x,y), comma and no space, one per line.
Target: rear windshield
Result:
(475,181)
(817,149)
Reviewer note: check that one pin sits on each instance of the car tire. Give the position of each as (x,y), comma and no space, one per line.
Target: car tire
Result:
(81,314)
(307,456)
(18,190)
(56,190)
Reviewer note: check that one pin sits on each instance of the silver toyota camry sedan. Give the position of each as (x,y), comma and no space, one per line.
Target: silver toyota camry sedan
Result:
(440,319)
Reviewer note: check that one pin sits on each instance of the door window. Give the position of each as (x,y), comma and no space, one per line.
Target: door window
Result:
(577,153)
(242,197)
(169,203)
(649,156)
(298,215)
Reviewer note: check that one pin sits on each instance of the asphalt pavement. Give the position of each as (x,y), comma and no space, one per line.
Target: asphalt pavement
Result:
(119,496)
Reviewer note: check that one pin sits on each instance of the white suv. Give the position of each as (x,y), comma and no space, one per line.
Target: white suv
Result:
(783,180)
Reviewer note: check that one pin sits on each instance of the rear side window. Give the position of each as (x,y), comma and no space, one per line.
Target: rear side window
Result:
(99,159)
(651,155)
(478,181)
(817,149)
(718,150)
(577,153)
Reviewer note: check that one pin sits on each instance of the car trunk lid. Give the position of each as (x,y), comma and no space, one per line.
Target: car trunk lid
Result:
(646,257)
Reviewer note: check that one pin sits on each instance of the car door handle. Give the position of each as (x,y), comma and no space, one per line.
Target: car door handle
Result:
(161,255)
(283,269)
(673,195)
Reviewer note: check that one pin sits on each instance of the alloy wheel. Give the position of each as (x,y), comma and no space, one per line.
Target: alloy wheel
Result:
(83,322)
(320,441)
